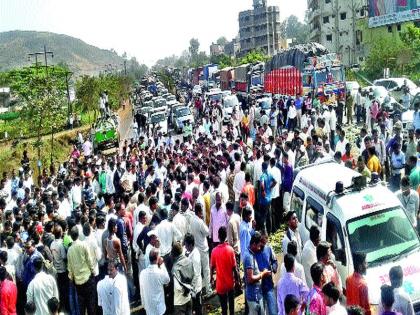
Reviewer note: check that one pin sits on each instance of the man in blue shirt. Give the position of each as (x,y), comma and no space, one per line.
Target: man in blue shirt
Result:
(266,259)
(253,277)
(267,182)
(287,180)
(298,105)
(245,231)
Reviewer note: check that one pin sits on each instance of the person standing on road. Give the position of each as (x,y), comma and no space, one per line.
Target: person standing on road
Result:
(113,292)
(42,287)
(81,272)
(152,280)
(253,277)
(409,198)
(267,260)
(223,262)
(290,284)
(309,252)
(349,108)
(292,234)
(356,285)
(267,183)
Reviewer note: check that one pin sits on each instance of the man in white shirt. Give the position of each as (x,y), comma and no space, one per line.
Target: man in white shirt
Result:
(42,288)
(94,249)
(331,298)
(298,268)
(152,280)
(64,210)
(292,234)
(402,303)
(167,233)
(87,148)
(309,253)
(341,143)
(200,232)
(239,183)
(276,203)
(76,193)
(194,256)
(409,198)
(113,292)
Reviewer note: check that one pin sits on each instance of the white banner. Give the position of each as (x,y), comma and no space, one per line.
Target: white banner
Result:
(393,18)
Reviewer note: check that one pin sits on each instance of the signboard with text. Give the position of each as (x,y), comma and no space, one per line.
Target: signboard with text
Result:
(384,12)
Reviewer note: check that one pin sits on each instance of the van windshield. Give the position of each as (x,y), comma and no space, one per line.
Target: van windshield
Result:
(382,236)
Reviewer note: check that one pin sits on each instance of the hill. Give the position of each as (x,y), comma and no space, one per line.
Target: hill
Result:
(81,57)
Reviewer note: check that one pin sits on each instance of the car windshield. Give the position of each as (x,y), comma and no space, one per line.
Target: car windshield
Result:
(157,118)
(182,112)
(216,97)
(229,102)
(382,236)
(384,83)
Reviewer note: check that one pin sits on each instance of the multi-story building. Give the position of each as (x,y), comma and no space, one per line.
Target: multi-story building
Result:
(259,29)
(334,23)
(233,47)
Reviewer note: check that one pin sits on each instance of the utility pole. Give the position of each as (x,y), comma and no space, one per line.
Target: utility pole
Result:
(45,53)
(125,67)
(68,75)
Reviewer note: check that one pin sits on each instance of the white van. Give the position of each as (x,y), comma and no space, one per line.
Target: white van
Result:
(359,218)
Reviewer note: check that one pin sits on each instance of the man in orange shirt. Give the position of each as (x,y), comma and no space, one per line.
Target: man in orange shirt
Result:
(249,189)
(356,285)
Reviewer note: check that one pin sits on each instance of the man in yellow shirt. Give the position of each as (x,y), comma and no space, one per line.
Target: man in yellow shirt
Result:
(81,268)
(373,163)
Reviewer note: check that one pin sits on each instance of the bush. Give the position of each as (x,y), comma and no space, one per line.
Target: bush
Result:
(9,116)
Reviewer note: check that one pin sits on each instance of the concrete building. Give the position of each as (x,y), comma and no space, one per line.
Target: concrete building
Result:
(216,49)
(333,23)
(233,47)
(259,29)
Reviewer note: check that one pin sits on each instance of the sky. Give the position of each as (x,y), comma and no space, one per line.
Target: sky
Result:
(147,30)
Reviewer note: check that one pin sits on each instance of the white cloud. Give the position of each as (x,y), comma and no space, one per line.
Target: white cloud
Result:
(148,30)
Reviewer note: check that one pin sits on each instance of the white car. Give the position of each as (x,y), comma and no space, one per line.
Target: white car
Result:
(382,95)
(159,121)
(229,103)
(394,87)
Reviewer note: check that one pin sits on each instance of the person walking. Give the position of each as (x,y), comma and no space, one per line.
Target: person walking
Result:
(81,272)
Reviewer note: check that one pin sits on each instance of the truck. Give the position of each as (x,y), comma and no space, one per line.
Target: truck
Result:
(304,69)
(105,133)
(241,78)
(227,77)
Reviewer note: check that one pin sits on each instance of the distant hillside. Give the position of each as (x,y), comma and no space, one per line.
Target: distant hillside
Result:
(82,58)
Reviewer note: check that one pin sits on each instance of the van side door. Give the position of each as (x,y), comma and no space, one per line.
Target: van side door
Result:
(297,204)
(313,215)
(335,236)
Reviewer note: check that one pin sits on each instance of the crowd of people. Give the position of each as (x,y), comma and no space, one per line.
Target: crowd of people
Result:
(173,222)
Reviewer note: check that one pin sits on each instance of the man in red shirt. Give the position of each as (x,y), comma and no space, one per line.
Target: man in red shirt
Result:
(224,262)
(8,294)
(356,285)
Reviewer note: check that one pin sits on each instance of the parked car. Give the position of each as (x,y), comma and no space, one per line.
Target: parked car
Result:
(159,105)
(180,116)
(395,87)
(159,121)
(197,90)
(229,103)
(383,96)
(262,104)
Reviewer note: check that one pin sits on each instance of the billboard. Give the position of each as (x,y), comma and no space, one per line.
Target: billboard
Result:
(384,12)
